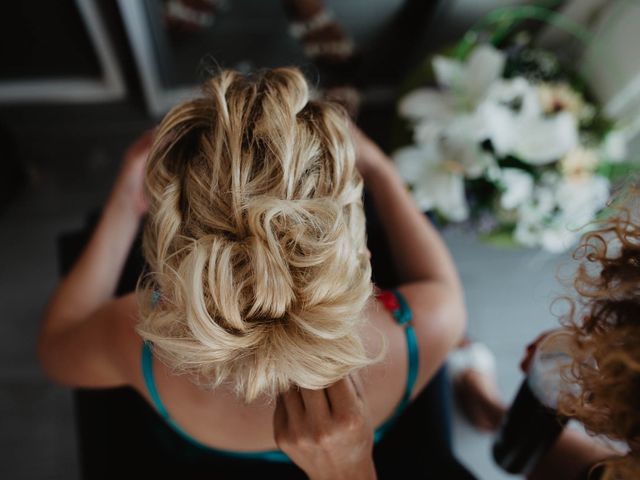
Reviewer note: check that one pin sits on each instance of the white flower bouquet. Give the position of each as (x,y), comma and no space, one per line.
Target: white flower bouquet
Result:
(510,141)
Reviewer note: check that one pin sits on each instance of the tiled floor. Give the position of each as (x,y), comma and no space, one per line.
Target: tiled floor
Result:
(509,293)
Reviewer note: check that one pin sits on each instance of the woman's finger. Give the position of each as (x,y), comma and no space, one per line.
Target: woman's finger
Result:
(293,405)
(280,418)
(343,397)
(530,352)
(357,385)
(316,405)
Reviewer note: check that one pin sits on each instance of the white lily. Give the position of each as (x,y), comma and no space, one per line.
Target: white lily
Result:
(559,211)
(557,238)
(555,97)
(470,80)
(579,164)
(526,133)
(462,86)
(553,237)
(581,199)
(437,170)
(537,227)
(518,187)
(614,148)
(460,143)
(436,185)
(427,103)
(449,140)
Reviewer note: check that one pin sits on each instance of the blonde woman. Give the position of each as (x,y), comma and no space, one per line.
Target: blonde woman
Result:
(258,274)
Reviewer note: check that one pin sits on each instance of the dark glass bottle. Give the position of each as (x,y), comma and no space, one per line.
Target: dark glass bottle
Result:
(528,431)
(532,424)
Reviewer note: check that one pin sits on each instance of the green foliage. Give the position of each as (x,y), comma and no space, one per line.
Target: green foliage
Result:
(502,237)
(618,171)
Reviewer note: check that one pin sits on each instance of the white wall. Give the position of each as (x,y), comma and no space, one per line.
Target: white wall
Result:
(611,61)
(612,64)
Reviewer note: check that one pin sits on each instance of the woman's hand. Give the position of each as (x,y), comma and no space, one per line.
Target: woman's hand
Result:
(327,433)
(128,189)
(530,351)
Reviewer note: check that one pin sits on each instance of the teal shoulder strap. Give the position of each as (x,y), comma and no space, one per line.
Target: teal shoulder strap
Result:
(147,372)
(404,316)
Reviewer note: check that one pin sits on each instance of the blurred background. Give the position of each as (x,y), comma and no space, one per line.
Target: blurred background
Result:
(80,79)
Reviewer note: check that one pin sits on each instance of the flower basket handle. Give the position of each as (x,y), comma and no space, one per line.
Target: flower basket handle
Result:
(500,22)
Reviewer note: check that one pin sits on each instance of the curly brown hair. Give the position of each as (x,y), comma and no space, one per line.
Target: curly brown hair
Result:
(605,322)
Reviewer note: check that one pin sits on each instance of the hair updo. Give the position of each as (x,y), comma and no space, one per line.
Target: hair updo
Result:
(255,239)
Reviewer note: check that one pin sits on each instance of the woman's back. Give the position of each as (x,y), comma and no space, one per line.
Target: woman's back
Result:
(258,278)
(216,418)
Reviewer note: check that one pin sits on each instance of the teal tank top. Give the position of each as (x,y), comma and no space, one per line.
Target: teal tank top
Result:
(392,300)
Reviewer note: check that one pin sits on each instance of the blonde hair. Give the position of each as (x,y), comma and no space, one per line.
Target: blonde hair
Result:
(255,238)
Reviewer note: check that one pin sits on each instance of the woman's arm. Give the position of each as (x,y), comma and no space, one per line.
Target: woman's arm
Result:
(418,251)
(427,273)
(80,305)
(570,458)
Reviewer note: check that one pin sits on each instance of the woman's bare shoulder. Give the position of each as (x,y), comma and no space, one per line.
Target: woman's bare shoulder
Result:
(129,343)
(438,319)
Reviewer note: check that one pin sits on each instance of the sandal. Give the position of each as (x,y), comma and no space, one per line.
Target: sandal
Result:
(472,367)
(323,39)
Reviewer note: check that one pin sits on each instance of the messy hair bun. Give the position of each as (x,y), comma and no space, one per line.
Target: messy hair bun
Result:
(255,238)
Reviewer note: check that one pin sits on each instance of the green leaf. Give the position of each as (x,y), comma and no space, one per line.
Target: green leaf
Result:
(501,238)
(617,171)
